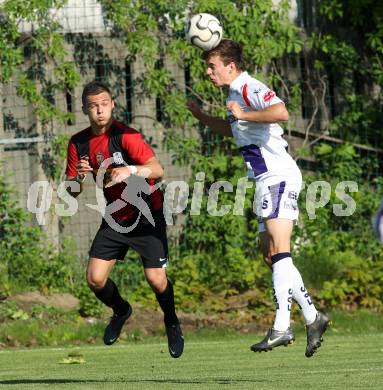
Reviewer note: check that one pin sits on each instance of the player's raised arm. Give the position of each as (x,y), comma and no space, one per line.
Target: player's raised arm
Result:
(218,125)
(153,167)
(273,114)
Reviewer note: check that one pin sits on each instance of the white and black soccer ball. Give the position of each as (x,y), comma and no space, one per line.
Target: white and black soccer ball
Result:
(204,31)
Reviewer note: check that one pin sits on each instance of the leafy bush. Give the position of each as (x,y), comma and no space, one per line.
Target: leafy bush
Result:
(27,258)
(340,255)
(28,261)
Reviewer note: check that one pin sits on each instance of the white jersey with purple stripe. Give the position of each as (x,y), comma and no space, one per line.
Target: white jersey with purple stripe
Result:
(262,145)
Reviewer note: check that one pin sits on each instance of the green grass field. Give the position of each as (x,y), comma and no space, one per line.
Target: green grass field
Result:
(209,362)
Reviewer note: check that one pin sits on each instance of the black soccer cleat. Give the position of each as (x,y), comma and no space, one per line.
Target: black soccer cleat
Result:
(175,340)
(274,338)
(315,332)
(113,330)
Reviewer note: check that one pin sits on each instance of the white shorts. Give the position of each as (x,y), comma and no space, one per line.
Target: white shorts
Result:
(277,197)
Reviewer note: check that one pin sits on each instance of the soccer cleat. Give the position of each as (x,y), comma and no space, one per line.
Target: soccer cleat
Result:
(274,338)
(113,330)
(175,340)
(315,332)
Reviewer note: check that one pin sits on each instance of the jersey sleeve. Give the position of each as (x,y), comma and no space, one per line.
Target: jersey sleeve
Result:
(259,97)
(139,151)
(72,160)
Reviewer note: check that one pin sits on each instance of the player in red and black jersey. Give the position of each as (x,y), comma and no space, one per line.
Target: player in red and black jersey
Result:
(133,216)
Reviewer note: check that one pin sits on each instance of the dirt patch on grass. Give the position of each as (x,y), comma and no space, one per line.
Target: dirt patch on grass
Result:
(235,313)
(63,301)
(150,321)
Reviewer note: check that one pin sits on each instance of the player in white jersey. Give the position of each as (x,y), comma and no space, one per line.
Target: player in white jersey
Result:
(254,112)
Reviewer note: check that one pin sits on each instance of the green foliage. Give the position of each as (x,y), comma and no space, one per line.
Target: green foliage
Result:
(354,60)
(10,54)
(18,241)
(54,156)
(45,44)
(10,310)
(90,306)
(339,255)
(43,325)
(29,262)
(27,259)
(44,109)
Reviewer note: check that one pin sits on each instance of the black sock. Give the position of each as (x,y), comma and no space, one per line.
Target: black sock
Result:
(111,297)
(166,301)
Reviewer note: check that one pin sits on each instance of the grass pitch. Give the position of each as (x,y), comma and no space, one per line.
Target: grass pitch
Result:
(209,362)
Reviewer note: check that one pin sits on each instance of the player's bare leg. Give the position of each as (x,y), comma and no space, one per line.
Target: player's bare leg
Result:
(279,232)
(107,292)
(163,289)
(156,277)
(264,243)
(98,271)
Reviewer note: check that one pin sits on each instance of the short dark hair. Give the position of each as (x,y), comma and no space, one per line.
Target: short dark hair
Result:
(94,88)
(228,51)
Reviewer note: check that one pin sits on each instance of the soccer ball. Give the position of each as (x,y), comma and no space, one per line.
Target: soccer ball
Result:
(204,31)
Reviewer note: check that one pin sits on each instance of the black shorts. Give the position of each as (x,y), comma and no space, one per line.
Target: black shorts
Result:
(149,241)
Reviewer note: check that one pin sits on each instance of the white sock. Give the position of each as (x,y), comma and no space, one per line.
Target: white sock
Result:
(283,290)
(301,295)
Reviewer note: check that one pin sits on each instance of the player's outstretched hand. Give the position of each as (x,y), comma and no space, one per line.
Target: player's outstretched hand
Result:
(235,109)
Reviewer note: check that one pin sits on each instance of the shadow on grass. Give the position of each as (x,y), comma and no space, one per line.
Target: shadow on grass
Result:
(45,381)
(191,381)
(220,381)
